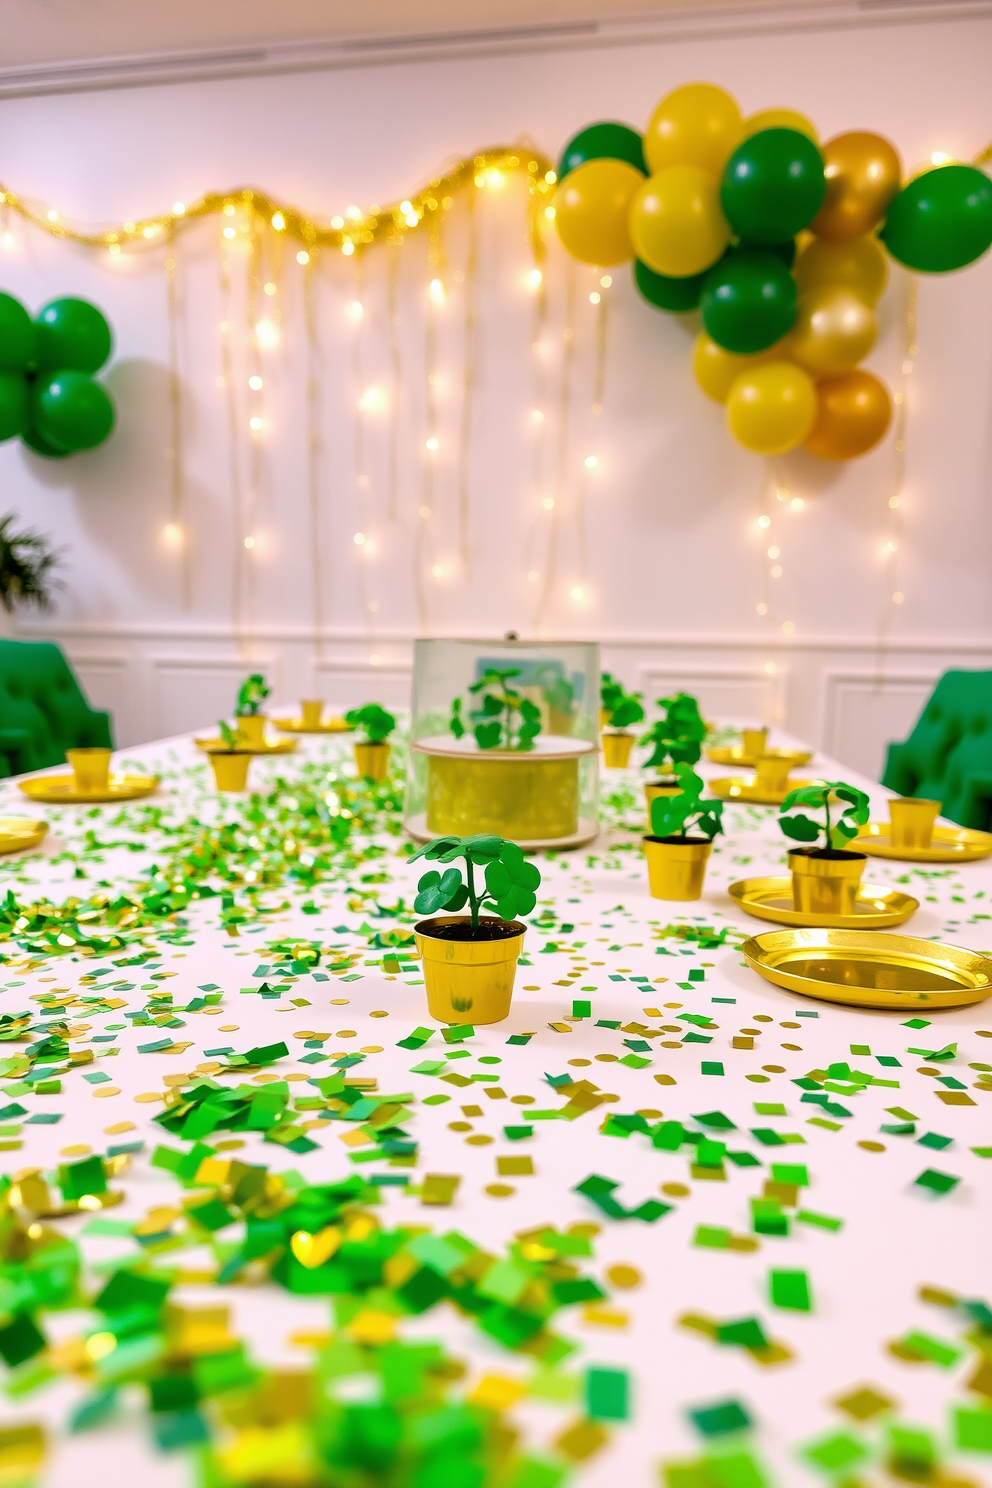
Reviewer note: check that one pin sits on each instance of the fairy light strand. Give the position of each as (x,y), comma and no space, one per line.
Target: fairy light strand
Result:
(313,371)
(233,462)
(177,473)
(396,375)
(892,517)
(468,387)
(561,474)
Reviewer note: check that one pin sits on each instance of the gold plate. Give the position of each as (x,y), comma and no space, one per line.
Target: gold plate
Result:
(869,969)
(278,746)
(19,832)
(60,790)
(737,788)
(735,754)
(296,726)
(949,845)
(876,907)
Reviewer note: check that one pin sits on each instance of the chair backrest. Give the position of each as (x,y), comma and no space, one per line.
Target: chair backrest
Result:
(950,745)
(42,703)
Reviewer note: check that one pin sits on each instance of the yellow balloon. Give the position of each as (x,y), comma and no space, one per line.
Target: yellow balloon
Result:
(676,222)
(771,408)
(859,265)
(698,124)
(717,370)
(592,211)
(780,118)
(832,331)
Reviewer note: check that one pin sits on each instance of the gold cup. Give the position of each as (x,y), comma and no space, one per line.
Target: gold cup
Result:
(826,886)
(772,773)
(251,730)
(91,767)
(753,742)
(912,820)
(467,981)
(311,712)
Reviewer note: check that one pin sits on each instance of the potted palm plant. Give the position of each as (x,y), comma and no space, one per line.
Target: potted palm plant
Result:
(27,565)
(682,830)
(470,960)
(248,711)
(622,709)
(825,879)
(677,738)
(371,750)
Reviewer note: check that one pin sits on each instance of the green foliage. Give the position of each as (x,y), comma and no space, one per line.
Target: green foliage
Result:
(676,816)
(26,564)
(678,735)
(373,719)
(836,834)
(510,881)
(623,707)
(610,690)
(251,695)
(504,718)
(229,736)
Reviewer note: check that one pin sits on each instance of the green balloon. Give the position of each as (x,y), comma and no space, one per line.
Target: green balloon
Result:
(41,446)
(71,411)
(941,221)
(667,293)
(72,336)
(13,405)
(17,335)
(606,141)
(748,300)
(773,185)
(785,251)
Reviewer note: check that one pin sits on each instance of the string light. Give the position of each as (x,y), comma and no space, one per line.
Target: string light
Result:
(255,383)
(267,334)
(433,443)
(359,539)
(590,462)
(373,398)
(437,291)
(605,281)
(303,257)
(255,423)
(249,542)
(173,534)
(178,209)
(356,310)
(764,521)
(595,297)
(535,278)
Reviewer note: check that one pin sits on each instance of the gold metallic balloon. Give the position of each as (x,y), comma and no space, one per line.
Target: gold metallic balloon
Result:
(859,265)
(771,408)
(863,174)
(592,211)
(676,221)
(833,330)
(853,412)
(716,370)
(780,118)
(698,124)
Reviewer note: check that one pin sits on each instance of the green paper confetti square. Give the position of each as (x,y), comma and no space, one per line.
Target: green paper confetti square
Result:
(607,1394)
(790,1289)
(835,1453)
(972,1429)
(936,1183)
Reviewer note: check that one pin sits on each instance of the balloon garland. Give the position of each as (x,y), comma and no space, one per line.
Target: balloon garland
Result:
(778,241)
(47,394)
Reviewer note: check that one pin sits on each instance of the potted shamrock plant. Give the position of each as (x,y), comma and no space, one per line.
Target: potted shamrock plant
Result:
(371,750)
(503,719)
(677,738)
(682,830)
(623,708)
(825,878)
(251,720)
(229,759)
(610,691)
(470,960)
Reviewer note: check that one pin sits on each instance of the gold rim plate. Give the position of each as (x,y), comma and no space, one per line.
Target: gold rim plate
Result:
(276,746)
(747,792)
(61,790)
(869,969)
(949,845)
(19,832)
(297,726)
(735,754)
(877,908)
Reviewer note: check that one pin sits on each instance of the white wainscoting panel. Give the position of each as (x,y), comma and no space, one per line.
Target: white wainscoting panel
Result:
(863,713)
(738,692)
(192,692)
(107,683)
(345,684)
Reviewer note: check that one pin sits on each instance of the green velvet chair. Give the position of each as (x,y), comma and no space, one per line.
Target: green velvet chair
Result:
(42,709)
(948,756)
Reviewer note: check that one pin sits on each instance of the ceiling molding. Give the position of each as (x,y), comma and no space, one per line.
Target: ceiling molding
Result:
(691,23)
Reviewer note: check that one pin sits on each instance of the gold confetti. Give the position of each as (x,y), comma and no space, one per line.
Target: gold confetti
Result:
(499,1190)
(102,1091)
(624,1277)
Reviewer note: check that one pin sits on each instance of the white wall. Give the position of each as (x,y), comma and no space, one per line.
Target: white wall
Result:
(674,567)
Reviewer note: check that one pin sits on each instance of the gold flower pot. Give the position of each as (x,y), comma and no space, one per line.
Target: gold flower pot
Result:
(311,712)
(772,769)
(654,788)
(616,750)
(372,760)
(676,866)
(251,730)
(468,981)
(230,767)
(912,820)
(823,885)
(91,768)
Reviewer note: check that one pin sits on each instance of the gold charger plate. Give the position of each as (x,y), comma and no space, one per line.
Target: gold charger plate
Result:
(19,832)
(735,754)
(876,907)
(296,726)
(276,746)
(737,788)
(869,969)
(60,790)
(949,845)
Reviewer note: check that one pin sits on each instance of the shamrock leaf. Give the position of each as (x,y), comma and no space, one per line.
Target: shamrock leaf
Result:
(436,891)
